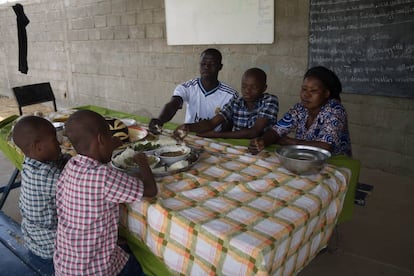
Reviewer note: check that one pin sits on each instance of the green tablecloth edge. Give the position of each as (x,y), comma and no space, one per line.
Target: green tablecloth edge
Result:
(9,151)
(150,263)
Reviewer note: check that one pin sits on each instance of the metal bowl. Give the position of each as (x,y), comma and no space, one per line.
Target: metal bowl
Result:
(301,159)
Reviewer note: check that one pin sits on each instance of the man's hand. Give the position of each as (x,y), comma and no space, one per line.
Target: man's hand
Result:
(155,126)
(180,133)
(256,145)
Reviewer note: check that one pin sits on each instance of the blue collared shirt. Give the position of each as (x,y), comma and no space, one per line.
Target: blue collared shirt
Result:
(236,111)
(37,204)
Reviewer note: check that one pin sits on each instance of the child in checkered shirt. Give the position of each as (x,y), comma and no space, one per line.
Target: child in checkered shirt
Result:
(88,194)
(42,165)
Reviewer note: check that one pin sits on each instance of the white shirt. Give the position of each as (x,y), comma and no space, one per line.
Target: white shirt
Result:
(202,104)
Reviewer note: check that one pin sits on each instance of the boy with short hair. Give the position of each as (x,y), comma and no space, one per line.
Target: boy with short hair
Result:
(87,197)
(42,165)
(250,115)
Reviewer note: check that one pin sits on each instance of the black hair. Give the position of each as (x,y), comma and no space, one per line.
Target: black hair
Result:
(258,73)
(329,79)
(213,52)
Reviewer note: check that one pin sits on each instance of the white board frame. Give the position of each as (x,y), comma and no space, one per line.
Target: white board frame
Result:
(197,22)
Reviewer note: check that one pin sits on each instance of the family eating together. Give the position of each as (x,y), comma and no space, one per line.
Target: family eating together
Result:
(70,205)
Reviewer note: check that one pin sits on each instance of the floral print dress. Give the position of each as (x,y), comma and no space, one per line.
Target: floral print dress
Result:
(330,126)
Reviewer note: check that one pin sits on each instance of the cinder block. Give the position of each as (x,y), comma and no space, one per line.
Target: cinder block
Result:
(133,5)
(83,23)
(107,34)
(152,4)
(159,16)
(100,21)
(94,34)
(114,20)
(55,36)
(144,17)
(119,6)
(121,33)
(154,31)
(102,8)
(137,32)
(128,19)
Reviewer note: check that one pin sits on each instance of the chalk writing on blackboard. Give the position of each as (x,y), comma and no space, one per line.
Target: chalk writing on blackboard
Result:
(369,44)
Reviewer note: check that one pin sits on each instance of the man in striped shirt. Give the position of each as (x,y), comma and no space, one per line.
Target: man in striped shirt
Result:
(204,96)
(42,165)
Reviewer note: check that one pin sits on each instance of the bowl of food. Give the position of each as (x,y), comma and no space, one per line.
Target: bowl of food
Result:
(124,161)
(172,153)
(301,159)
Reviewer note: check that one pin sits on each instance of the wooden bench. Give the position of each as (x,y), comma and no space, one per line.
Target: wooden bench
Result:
(14,256)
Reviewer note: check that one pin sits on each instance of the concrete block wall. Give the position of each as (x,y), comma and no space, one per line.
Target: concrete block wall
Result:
(114,53)
(47,48)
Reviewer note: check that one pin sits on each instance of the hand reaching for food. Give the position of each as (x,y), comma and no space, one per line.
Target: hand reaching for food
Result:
(155,126)
(180,133)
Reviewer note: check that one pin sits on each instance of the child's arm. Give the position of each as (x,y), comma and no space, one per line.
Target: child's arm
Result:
(146,176)
(246,133)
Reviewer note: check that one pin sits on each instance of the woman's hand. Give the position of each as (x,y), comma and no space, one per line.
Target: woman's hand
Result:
(285,140)
(256,145)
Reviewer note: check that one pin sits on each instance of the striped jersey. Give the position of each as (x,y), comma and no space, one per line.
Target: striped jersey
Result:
(202,104)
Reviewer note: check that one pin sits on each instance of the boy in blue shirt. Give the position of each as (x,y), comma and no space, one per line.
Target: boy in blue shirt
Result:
(41,168)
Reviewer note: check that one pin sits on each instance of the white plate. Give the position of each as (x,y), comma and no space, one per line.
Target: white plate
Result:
(128,122)
(136,133)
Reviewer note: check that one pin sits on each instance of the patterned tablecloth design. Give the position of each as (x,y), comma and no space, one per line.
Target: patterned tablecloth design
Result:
(238,214)
(232,213)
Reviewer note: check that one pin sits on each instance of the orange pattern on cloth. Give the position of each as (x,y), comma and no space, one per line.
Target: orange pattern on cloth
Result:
(234,213)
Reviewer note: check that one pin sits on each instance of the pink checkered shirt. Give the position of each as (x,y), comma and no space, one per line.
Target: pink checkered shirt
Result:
(87,197)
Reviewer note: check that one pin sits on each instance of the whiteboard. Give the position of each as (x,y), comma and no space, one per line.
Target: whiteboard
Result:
(191,22)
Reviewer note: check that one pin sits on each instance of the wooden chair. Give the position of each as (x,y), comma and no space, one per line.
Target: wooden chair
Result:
(34,94)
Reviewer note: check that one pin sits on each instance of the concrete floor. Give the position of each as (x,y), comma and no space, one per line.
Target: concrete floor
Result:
(379,240)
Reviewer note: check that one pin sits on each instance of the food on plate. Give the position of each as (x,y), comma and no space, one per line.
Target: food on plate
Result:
(137,133)
(145,146)
(125,159)
(172,153)
(118,129)
(178,165)
(128,122)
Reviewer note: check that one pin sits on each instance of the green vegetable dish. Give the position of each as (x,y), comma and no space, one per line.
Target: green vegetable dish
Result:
(145,146)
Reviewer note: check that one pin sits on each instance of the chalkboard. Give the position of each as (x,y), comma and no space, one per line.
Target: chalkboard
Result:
(368,43)
(191,22)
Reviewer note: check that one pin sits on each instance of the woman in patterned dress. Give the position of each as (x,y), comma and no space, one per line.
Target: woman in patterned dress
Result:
(319,119)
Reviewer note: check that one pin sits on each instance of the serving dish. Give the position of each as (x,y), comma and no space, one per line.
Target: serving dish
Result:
(61,115)
(128,122)
(162,169)
(172,153)
(123,161)
(301,159)
(136,133)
